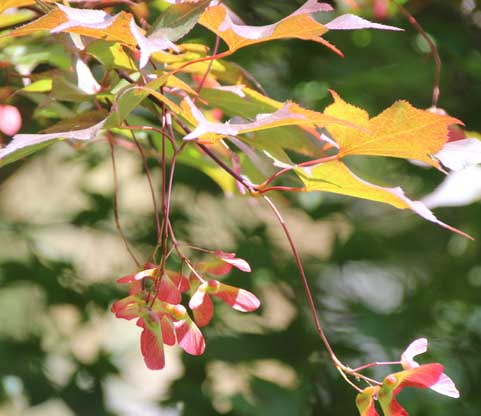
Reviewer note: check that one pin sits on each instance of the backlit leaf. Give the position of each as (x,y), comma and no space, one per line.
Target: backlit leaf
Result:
(94,23)
(7,4)
(460,154)
(111,55)
(287,115)
(152,346)
(179,19)
(334,176)
(299,24)
(25,144)
(365,402)
(400,131)
(353,22)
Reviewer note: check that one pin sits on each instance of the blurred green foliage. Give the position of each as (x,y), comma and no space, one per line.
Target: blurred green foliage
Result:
(381,279)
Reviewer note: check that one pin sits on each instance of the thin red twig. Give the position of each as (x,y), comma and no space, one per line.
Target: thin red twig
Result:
(116,203)
(434,51)
(151,185)
(209,67)
(305,283)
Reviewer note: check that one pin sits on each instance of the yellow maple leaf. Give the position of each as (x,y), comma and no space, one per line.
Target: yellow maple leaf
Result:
(401,131)
(299,25)
(336,177)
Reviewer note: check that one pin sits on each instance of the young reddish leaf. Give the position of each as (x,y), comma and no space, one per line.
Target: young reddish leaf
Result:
(365,402)
(444,385)
(222,264)
(239,299)
(168,333)
(189,336)
(299,24)
(171,287)
(422,377)
(198,297)
(400,131)
(152,346)
(128,308)
(230,258)
(146,273)
(334,176)
(126,279)
(216,266)
(202,307)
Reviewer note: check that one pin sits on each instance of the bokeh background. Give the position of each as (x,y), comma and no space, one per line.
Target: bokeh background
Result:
(380,277)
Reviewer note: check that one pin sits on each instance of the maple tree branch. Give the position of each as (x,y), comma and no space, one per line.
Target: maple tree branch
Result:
(116,202)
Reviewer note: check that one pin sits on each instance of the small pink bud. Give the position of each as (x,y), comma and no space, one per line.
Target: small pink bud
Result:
(10,120)
(213,285)
(179,312)
(390,380)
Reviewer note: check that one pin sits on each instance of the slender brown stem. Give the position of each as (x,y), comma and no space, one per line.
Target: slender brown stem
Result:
(151,185)
(116,203)
(434,51)
(151,128)
(344,376)
(205,58)
(165,217)
(280,188)
(376,364)
(305,283)
(209,67)
(304,164)
(235,175)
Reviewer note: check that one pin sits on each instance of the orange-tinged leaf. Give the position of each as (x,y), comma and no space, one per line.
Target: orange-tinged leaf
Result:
(335,176)
(47,22)
(297,25)
(7,4)
(288,114)
(113,28)
(400,131)
(422,377)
